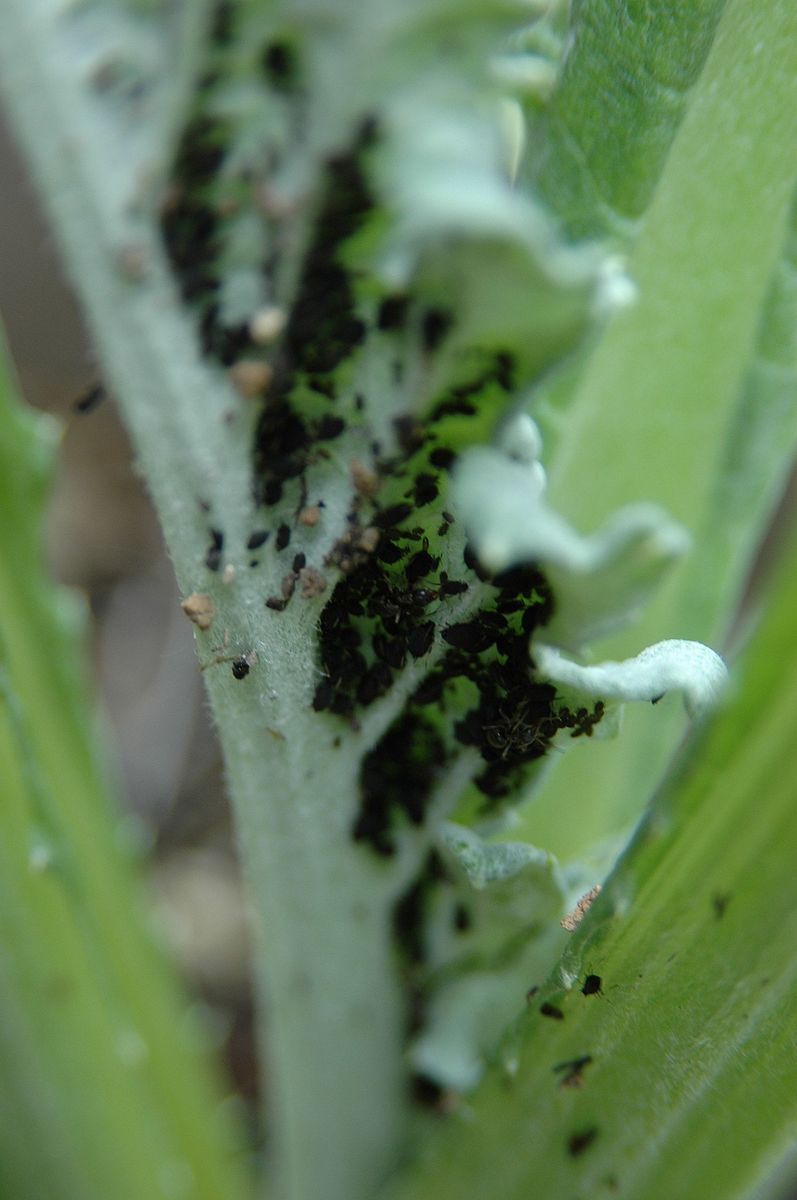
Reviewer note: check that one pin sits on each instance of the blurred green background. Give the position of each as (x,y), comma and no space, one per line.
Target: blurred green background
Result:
(103,539)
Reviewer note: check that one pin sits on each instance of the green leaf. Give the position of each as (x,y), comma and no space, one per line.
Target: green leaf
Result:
(671,1072)
(758,452)
(598,148)
(655,410)
(103,1088)
(668,369)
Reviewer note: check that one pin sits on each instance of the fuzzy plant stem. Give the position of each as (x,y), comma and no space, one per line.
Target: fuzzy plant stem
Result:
(332,1005)
(330,1002)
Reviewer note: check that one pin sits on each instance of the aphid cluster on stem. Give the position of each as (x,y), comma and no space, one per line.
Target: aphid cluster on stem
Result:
(396,577)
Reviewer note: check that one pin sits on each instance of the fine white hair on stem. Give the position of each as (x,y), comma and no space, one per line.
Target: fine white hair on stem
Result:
(687,667)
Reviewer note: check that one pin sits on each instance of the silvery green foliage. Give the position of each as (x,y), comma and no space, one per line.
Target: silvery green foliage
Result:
(358,173)
(396,189)
(601,580)
(510,896)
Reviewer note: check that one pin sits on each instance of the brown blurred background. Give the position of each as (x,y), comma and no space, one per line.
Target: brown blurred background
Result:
(103,539)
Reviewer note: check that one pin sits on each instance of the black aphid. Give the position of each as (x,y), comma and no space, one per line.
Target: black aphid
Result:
(578,1142)
(435,324)
(240,667)
(330,427)
(388,552)
(280,65)
(426,489)
(409,433)
(453,587)
(392,313)
(374,683)
(444,458)
(213,556)
(420,639)
(469,635)
(90,398)
(392,516)
(420,565)
(393,650)
(550,1010)
(324,695)
(272,492)
(592,985)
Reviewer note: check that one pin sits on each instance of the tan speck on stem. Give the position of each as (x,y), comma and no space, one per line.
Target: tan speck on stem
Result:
(250,377)
(573,919)
(199,609)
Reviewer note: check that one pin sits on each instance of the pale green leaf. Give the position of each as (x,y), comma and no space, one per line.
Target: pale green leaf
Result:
(669,1071)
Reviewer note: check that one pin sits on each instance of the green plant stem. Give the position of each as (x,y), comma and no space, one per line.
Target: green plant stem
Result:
(321,906)
(332,1003)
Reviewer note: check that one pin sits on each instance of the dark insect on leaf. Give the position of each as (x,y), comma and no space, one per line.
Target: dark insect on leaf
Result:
(469,635)
(213,556)
(323,695)
(471,561)
(419,641)
(420,565)
(90,398)
(550,1010)
(444,458)
(392,313)
(453,587)
(426,489)
(435,324)
(330,427)
(430,691)
(374,683)
(392,516)
(532,617)
(272,492)
(392,650)
(578,1142)
(409,434)
(280,65)
(389,552)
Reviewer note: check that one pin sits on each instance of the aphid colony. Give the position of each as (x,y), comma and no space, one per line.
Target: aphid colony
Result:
(480,692)
(401,563)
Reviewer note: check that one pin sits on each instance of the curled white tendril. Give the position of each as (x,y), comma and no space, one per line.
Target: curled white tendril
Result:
(690,668)
(600,580)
